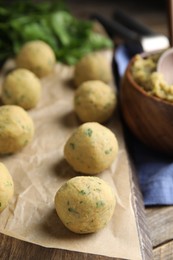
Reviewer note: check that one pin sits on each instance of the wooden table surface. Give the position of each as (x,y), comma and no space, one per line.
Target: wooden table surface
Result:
(159,219)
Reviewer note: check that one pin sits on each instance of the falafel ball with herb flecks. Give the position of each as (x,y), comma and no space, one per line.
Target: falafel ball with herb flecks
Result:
(93,66)
(16,129)
(94,101)
(85,204)
(21,87)
(6,187)
(91,148)
(36,56)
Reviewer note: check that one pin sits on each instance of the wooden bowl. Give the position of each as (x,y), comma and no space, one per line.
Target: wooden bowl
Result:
(149,118)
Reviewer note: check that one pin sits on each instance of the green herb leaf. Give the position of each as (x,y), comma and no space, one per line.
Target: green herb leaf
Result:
(89,132)
(100,203)
(69,37)
(72,210)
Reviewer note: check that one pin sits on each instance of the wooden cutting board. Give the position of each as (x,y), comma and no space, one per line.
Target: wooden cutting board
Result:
(57,93)
(12,248)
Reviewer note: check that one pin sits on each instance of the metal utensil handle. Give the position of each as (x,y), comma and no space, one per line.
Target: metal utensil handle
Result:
(132,24)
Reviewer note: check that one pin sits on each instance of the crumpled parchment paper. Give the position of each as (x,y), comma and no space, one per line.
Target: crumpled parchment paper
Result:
(40,169)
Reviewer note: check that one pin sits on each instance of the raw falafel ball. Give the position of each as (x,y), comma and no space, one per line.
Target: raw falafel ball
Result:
(91,148)
(6,187)
(21,87)
(36,56)
(93,66)
(16,129)
(94,101)
(85,204)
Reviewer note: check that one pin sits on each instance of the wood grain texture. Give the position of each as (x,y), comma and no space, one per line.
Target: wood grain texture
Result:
(14,249)
(160,222)
(164,252)
(142,224)
(148,117)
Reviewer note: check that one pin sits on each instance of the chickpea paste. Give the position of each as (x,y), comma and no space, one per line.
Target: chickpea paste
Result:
(144,72)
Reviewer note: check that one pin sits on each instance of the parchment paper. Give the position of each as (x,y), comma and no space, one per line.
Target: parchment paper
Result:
(40,169)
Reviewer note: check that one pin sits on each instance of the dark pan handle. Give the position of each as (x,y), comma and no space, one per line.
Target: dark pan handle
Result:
(114,28)
(132,24)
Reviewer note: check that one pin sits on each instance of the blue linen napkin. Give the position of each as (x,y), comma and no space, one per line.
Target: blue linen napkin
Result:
(154,170)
